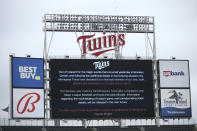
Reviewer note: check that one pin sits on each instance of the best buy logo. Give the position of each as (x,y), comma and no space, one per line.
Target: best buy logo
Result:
(28,72)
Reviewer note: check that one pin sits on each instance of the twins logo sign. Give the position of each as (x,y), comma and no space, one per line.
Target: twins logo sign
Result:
(97,46)
(28,103)
(27,72)
(101,64)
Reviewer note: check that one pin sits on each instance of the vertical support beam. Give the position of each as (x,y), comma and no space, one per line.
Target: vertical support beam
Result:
(10,85)
(45,55)
(117,50)
(45,39)
(156,89)
(83,56)
(57,122)
(154,44)
(84,123)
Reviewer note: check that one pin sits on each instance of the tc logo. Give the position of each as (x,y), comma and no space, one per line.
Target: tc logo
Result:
(28,97)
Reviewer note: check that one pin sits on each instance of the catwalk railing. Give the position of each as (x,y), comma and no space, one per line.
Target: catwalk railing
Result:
(92,123)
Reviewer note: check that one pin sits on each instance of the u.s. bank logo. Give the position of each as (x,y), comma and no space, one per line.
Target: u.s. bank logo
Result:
(172,73)
(27,72)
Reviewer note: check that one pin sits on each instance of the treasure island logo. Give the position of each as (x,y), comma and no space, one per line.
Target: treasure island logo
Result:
(175,99)
(28,72)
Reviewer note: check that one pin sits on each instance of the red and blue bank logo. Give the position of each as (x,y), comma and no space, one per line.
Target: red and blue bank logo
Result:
(172,73)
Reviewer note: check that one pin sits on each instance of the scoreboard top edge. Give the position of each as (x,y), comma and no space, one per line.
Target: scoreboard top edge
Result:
(172,60)
(26,57)
(140,59)
(99,59)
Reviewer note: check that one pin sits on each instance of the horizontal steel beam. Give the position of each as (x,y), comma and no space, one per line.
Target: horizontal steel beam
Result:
(60,30)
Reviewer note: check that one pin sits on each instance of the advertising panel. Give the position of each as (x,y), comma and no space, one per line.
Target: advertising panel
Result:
(27,87)
(175,103)
(101,88)
(28,103)
(174,73)
(27,72)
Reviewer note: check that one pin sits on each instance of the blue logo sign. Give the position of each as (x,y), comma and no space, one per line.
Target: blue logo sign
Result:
(27,72)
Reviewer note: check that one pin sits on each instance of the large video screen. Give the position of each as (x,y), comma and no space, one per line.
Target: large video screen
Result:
(101,88)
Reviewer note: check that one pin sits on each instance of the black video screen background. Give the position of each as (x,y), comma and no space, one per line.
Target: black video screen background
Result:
(101,88)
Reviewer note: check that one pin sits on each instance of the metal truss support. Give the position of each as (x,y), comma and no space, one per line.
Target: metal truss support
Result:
(117,50)
(46,80)
(98,23)
(10,85)
(57,122)
(85,123)
(155,75)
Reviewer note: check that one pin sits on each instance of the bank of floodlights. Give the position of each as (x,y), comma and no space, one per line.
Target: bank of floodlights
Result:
(98,23)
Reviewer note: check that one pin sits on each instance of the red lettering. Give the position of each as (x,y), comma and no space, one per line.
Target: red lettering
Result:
(27,102)
(99,43)
(121,40)
(101,52)
(104,40)
(93,46)
(112,38)
(84,41)
(166,73)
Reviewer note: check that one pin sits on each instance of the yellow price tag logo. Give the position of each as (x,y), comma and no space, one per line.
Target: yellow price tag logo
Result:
(37,78)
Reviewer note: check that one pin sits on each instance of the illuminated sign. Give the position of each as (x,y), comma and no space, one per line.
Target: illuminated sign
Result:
(101,88)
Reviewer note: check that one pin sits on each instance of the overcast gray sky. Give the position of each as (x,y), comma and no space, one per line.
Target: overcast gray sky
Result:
(21,31)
